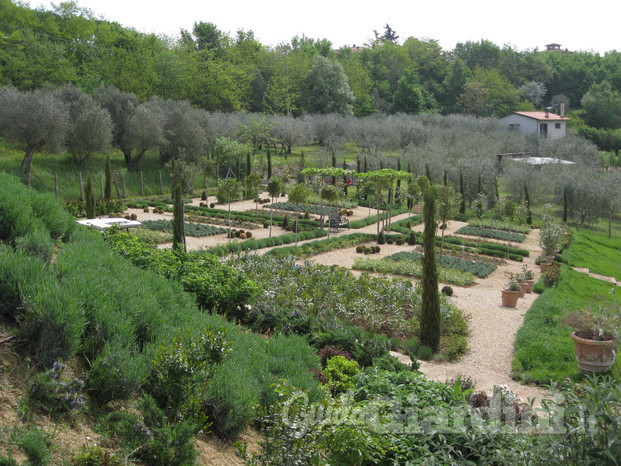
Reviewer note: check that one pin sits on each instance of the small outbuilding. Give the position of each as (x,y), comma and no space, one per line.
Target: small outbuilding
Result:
(544,123)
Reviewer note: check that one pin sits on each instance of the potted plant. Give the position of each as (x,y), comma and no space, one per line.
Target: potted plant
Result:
(519,278)
(596,334)
(511,293)
(528,279)
(550,237)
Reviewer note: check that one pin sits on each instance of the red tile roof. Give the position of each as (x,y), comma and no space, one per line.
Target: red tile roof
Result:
(542,116)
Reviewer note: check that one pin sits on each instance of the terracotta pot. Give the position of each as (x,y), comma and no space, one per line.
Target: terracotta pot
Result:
(550,259)
(544,266)
(594,355)
(416,209)
(522,289)
(527,285)
(510,298)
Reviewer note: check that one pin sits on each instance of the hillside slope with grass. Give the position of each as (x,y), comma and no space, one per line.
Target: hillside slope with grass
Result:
(90,341)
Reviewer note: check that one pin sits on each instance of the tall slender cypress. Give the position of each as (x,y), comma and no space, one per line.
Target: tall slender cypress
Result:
(108,180)
(248,164)
(529,218)
(462,191)
(269,164)
(565,204)
(445,178)
(430,308)
(178,239)
(89,197)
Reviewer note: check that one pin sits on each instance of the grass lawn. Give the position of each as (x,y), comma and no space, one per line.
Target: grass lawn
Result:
(594,250)
(543,350)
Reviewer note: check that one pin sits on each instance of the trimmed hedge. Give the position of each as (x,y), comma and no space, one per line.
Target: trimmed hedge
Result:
(490,233)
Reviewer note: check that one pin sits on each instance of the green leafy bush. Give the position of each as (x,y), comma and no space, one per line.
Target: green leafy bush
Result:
(182,369)
(340,372)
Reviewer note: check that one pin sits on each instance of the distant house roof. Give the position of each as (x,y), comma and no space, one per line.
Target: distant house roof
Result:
(543,160)
(541,116)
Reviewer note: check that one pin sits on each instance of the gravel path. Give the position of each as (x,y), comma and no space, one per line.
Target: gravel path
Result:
(493,327)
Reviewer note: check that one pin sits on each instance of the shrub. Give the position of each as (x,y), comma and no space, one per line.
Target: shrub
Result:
(552,275)
(381,239)
(133,217)
(151,438)
(389,241)
(340,372)
(145,210)
(359,249)
(36,243)
(447,290)
(399,241)
(49,392)
(328,352)
(204,196)
(52,322)
(411,347)
(36,444)
(116,373)
(181,369)
(454,346)
(424,352)
(95,455)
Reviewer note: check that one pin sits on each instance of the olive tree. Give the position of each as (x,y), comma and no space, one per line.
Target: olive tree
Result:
(274,188)
(36,119)
(90,126)
(229,190)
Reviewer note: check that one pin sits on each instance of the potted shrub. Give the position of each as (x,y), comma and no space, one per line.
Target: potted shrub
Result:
(596,334)
(511,293)
(550,237)
(528,279)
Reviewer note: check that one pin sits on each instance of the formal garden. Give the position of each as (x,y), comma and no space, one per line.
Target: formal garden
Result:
(242,311)
(282,268)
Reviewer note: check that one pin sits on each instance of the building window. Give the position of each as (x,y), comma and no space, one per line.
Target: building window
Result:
(514,127)
(543,129)
(557,125)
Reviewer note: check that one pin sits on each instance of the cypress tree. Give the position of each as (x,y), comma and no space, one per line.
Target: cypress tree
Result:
(248,164)
(365,165)
(445,179)
(428,172)
(89,197)
(565,204)
(529,218)
(177,222)
(358,163)
(108,182)
(462,191)
(430,308)
(269,164)
(398,190)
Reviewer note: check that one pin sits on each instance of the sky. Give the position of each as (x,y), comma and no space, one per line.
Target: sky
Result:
(578,26)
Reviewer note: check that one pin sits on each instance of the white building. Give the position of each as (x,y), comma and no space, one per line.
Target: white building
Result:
(542,123)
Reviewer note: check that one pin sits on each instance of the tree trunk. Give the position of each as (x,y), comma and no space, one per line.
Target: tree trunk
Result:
(27,161)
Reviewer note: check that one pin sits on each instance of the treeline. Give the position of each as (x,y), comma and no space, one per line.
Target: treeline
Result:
(216,71)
